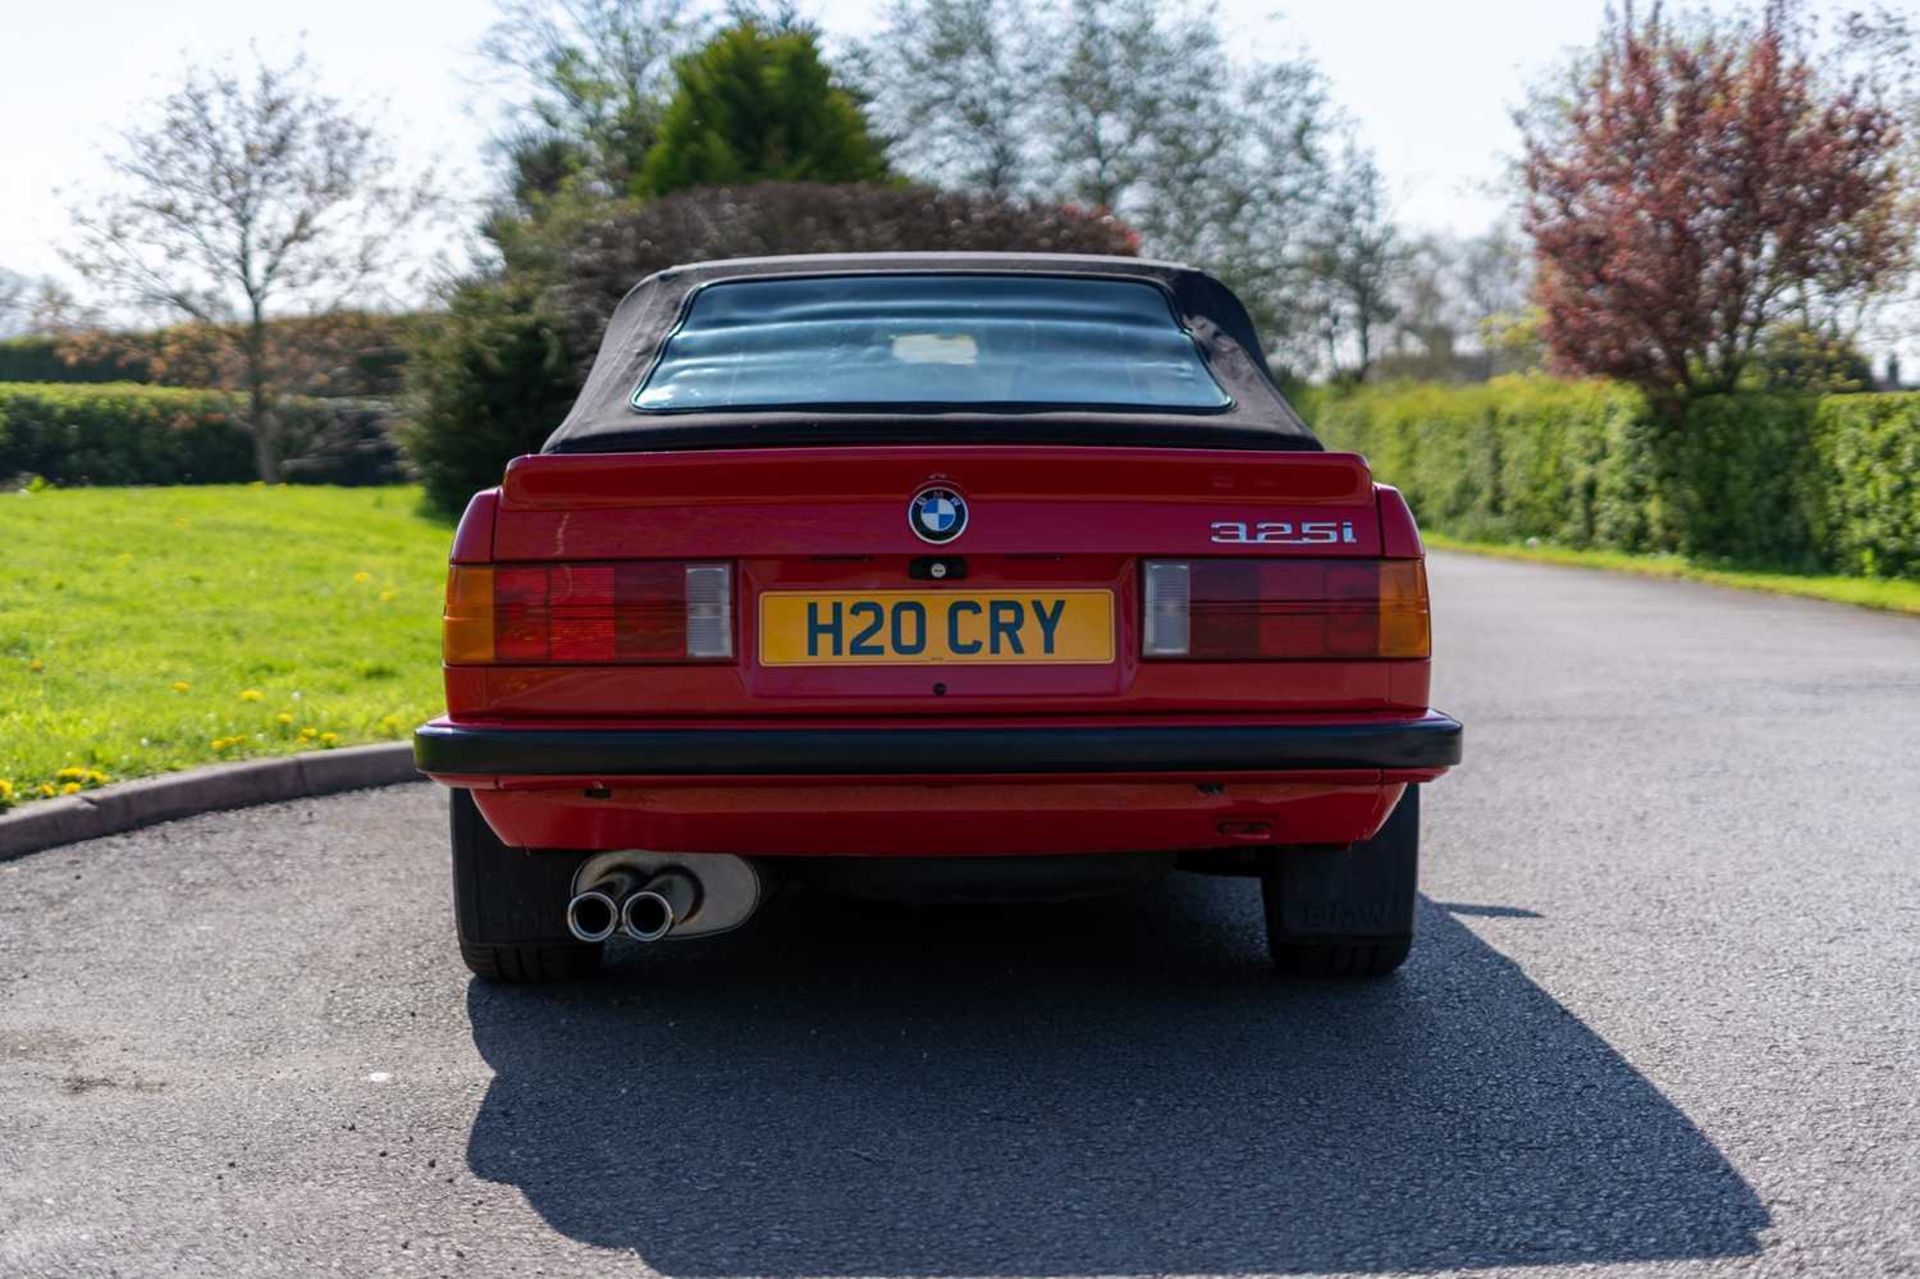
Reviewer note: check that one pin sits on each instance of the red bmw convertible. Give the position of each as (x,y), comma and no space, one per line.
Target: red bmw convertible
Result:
(950,577)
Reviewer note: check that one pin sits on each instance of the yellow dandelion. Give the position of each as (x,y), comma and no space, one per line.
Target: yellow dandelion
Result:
(36,666)
(47,790)
(71,774)
(181,686)
(308,734)
(329,739)
(283,719)
(71,788)
(6,790)
(387,597)
(97,777)
(362,578)
(252,695)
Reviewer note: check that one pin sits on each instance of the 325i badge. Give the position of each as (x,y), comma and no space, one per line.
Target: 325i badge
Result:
(1283,532)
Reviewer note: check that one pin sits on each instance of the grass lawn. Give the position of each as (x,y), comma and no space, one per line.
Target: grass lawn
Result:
(1893,595)
(143,630)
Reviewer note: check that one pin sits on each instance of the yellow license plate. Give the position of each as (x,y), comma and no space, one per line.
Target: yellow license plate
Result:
(911,628)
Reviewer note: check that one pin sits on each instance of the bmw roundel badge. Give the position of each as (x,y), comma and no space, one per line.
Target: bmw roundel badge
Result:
(937,515)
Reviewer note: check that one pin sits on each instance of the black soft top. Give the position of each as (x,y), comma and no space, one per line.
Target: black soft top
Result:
(604,420)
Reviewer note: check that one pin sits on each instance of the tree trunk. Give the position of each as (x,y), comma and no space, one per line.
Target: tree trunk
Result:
(266,430)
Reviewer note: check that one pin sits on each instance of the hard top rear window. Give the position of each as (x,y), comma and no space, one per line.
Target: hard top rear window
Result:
(979,341)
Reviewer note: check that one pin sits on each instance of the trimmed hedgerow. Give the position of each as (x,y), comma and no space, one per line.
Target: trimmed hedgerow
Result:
(1864,503)
(1737,482)
(343,355)
(1797,483)
(122,433)
(1516,457)
(126,434)
(42,359)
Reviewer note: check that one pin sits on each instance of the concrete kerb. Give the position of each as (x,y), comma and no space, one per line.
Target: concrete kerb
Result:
(124,806)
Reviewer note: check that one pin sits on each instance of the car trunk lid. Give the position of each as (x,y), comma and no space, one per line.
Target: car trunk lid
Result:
(842,606)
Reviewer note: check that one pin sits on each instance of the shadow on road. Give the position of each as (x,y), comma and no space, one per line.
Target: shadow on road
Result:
(1109,1088)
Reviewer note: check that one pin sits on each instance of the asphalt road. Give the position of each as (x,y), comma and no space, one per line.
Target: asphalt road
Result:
(1664,1014)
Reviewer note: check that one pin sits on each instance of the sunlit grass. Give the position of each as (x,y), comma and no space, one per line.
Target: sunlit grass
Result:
(1889,594)
(143,630)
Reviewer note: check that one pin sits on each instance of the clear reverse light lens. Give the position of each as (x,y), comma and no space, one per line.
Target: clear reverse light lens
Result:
(1167,589)
(709,610)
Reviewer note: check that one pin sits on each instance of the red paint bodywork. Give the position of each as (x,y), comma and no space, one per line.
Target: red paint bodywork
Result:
(836,518)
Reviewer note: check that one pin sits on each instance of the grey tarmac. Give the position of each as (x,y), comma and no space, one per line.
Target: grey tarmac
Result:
(1663,1019)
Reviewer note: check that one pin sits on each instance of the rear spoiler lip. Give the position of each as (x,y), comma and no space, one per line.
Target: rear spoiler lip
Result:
(577,481)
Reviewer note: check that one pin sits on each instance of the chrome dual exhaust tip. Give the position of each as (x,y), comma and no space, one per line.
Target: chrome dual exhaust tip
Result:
(653,911)
(593,914)
(653,896)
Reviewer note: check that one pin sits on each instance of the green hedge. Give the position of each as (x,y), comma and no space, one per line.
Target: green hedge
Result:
(1865,500)
(38,359)
(123,433)
(1788,482)
(345,356)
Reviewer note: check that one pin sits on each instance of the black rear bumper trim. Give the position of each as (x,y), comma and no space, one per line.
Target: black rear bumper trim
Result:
(1430,741)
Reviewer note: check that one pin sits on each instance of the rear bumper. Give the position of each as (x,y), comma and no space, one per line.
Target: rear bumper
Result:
(1428,742)
(939,791)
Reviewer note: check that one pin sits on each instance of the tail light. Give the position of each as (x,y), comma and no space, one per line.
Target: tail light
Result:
(1275,610)
(588,613)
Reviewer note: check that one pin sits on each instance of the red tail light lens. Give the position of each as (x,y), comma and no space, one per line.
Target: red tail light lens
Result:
(589,613)
(1276,610)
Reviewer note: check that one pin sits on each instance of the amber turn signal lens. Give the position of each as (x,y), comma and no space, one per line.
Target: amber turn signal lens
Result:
(1405,630)
(466,631)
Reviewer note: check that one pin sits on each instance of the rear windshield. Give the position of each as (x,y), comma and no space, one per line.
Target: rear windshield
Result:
(975,341)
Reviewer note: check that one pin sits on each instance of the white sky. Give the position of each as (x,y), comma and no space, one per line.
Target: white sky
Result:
(1430,83)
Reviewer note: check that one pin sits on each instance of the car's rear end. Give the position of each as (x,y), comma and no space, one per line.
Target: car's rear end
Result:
(902,650)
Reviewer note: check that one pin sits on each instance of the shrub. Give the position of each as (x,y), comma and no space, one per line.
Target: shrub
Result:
(754,105)
(1735,481)
(1787,482)
(44,359)
(488,382)
(1865,508)
(352,354)
(123,434)
(1516,457)
(353,443)
(120,433)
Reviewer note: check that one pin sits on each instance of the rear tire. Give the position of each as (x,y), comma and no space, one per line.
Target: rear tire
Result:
(1340,959)
(511,965)
(509,905)
(1346,914)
